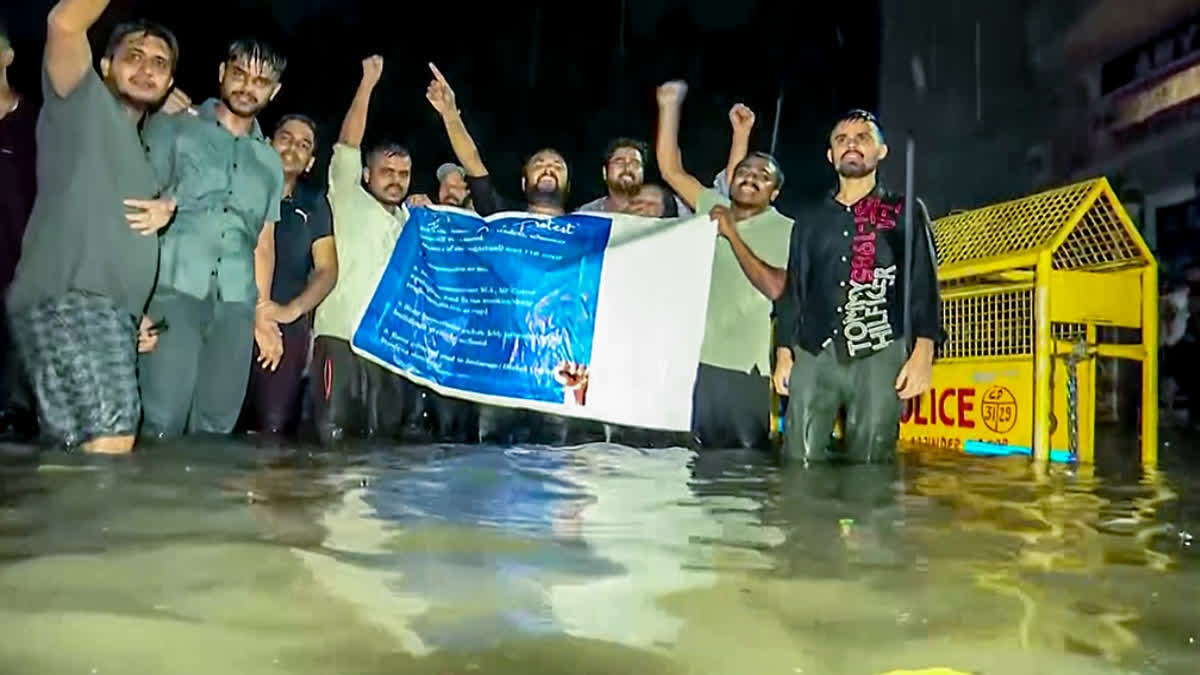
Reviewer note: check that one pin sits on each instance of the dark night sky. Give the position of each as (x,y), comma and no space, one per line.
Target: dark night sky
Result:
(531,74)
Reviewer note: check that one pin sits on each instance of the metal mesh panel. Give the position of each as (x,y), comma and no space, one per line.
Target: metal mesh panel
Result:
(1014,227)
(1069,332)
(1098,241)
(988,324)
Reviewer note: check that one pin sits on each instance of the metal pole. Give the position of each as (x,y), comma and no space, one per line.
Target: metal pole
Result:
(778,110)
(978,73)
(1043,374)
(1150,365)
(910,152)
(621,34)
(533,44)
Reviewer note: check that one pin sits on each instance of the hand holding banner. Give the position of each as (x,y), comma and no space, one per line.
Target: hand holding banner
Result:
(580,315)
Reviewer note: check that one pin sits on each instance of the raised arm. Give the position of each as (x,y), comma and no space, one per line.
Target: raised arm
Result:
(666,148)
(741,118)
(68,54)
(355,123)
(441,97)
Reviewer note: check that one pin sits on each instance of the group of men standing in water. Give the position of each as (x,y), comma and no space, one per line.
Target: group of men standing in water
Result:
(178,273)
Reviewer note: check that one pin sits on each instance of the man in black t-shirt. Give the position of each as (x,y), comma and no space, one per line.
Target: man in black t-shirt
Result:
(306,269)
(544,178)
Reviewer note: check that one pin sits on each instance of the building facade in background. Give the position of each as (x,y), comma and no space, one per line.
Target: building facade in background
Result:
(1136,116)
(1023,95)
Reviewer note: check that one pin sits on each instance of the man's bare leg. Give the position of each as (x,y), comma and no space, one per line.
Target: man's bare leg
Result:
(109,445)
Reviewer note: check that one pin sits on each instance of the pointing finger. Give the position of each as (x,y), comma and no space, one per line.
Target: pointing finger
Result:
(437,74)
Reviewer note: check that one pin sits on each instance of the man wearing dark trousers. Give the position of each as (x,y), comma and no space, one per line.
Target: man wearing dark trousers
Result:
(841,340)
(352,396)
(305,271)
(218,255)
(18,185)
(732,397)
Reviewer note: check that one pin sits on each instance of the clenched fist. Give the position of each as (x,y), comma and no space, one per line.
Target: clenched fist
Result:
(672,93)
(372,70)
(742,118)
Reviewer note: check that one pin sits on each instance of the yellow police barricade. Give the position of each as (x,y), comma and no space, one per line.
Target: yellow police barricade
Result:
(1025,286)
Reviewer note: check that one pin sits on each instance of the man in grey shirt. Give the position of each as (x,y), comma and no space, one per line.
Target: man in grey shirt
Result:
(623,173)
(218,255)
(88,256)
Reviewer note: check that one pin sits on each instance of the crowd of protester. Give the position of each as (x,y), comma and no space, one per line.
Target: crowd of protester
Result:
(180,273)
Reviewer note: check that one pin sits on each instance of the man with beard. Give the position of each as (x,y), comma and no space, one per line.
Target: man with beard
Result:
(355,396)
(452,186)
(732,399)
(624,173)
(306,269)
(452,189)
(218,256)
(841,341)
(545,182)
(89,254)
(544,177)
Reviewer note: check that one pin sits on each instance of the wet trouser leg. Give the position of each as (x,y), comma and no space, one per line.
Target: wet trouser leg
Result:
(16,395)
(167,375)
(226,351)
(273,397)
(336,389)
(731,409)
(498,424)
(872,406)
(453,420)
(814,398)
(820,386)
(392,403)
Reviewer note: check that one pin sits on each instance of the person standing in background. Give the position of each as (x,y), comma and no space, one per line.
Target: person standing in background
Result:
(306,270)
(18,185)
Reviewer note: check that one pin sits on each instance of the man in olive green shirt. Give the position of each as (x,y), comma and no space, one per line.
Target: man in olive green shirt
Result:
(218,254)
(731,405)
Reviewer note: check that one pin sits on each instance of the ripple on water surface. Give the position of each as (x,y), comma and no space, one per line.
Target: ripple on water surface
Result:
(598,559)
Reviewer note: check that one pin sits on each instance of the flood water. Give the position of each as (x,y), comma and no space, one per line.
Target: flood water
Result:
(228,557)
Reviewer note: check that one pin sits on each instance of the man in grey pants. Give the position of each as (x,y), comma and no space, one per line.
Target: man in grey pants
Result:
(840,331)
(218,255)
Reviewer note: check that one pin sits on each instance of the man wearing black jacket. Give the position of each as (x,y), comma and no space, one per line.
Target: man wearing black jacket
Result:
(840,333)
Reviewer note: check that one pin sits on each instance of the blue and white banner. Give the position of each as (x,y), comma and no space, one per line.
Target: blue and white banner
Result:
(584,315)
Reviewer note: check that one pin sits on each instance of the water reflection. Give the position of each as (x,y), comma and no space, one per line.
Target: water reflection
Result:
(601,559)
